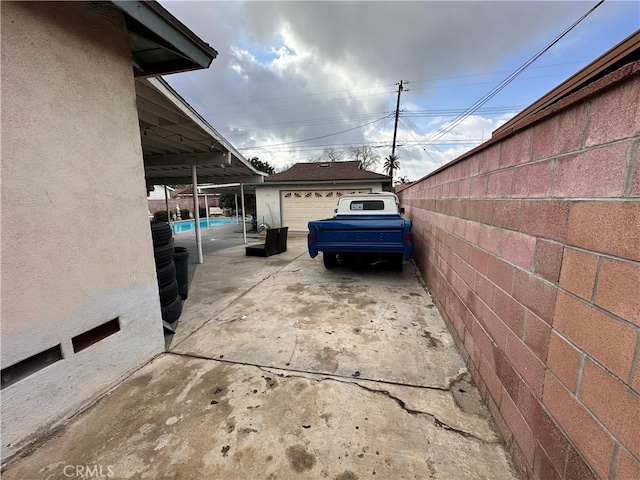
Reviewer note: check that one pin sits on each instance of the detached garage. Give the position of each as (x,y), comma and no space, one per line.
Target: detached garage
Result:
(310,191)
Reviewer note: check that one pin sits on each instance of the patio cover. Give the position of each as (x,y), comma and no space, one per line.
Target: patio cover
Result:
(175,138)
(180,147)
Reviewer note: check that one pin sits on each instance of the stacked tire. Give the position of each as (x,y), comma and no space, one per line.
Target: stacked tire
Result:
(163,252)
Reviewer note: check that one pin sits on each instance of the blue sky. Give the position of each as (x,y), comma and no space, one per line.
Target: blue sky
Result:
(291,71)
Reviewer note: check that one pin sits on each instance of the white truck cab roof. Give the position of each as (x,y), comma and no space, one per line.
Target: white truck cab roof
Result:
(369,204)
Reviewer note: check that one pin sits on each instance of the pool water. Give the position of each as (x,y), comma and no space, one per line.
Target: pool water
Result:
(186,225)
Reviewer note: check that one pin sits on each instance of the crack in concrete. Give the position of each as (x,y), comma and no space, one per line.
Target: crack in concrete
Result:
(436,421)
(327,375)
(349,381)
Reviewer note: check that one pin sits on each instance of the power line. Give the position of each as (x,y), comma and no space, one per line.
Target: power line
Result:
(385,85)
(346,99)
(410,133)
(437,79)
(375,145)
(308,122)
(510,78)
(314,138)
(456,85)
(302,96)
(380,126)
(365,116)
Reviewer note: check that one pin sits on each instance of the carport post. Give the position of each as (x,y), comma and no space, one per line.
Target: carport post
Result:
(196,212)
(166,204)
(236,198)
(244,220)
(206,207)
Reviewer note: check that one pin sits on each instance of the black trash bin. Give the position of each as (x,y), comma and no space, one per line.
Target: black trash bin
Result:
(181,259)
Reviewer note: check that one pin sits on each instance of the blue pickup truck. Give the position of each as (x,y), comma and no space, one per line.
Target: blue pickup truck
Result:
(367,228)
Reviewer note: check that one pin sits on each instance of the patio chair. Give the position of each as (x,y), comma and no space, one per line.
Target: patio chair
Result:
(266,249)
(282,239)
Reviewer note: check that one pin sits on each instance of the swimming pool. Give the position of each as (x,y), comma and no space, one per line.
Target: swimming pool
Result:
(186,225)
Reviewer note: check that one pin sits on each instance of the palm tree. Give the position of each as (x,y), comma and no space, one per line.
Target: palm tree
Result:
(392,162)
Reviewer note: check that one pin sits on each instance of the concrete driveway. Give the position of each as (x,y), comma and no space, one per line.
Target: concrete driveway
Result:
(281,369)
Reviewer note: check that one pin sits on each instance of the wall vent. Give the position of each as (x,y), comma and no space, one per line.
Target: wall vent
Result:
(88,338)
(29,366)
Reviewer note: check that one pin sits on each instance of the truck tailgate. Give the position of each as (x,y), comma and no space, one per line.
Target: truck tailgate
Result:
(381,234)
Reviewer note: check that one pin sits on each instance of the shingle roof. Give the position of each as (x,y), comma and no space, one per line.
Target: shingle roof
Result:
(326,171)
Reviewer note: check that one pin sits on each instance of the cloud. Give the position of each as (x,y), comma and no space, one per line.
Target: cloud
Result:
(276,57)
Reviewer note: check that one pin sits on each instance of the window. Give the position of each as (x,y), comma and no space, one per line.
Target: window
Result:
(367,205)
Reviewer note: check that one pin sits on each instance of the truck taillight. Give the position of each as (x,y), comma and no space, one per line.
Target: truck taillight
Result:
(409,238)
(310,238)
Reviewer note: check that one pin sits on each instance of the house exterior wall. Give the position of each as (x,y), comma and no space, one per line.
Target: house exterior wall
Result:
(531,250)
(71,260)
(268,197)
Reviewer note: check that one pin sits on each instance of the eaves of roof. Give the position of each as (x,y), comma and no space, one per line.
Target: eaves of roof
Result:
(326,172)
(160,43)
(383,180)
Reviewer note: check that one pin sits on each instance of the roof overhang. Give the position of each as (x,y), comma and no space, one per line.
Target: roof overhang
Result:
(175,138)
(160,43)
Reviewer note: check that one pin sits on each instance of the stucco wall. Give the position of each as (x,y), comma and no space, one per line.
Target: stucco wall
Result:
(72,259)
(531,249)
(268,197)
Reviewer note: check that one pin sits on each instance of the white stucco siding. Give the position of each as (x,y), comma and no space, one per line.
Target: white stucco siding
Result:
(76,244)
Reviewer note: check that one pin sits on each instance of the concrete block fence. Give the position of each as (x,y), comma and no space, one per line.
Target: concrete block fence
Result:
(530,246)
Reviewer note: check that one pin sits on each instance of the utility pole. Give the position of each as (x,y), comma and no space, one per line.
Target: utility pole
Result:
(395,132)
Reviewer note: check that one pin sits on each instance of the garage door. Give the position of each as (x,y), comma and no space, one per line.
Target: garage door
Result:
(301,206)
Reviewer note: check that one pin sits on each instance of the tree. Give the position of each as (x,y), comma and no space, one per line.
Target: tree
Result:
(261,166)
(404,180)
(227,200)
(392,162)
(366,155)
(332,155)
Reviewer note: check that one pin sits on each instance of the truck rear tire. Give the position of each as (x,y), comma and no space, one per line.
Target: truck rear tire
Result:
(330,259)
(397,262)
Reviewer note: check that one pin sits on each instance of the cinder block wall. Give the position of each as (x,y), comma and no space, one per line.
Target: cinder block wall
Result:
(530,246)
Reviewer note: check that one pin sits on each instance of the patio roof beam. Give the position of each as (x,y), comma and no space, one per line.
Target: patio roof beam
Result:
(208,158)
(163,146)
(175,140)
(164,114)
(178,179)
